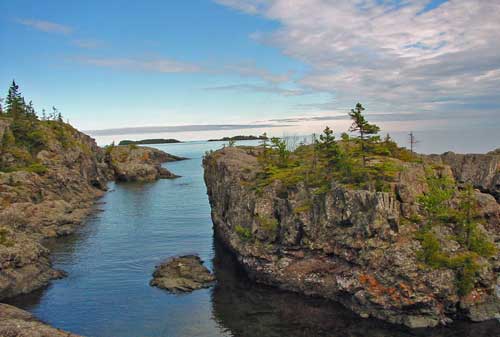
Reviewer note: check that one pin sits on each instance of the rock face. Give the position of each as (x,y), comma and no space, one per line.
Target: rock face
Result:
(353,246)
(482,170)
(54,196)
(15,322)
(45,203)
(134,163)
(182,274)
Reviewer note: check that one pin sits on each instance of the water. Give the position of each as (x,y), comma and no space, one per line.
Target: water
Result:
(110,260)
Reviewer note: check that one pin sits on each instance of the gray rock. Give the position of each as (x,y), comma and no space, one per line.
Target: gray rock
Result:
(20,323)
(182,274)
(351,246)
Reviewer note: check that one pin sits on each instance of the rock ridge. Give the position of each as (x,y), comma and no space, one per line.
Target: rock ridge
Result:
(356,247)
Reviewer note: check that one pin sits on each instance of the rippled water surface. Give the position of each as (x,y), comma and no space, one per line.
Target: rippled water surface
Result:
(110,260)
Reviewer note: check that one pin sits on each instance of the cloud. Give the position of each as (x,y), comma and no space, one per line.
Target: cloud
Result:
(167,65)
(161,65)
(254,88)
(252,7)
(46,26)
(251,70)
(390,55)
(180,128)
(87,43)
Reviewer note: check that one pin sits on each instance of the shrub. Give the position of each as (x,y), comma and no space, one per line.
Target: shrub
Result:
(37,168)
(4,238)
(244,233)
(268,224)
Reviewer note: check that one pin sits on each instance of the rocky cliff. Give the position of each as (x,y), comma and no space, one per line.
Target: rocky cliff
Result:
(358,247)
(49,180)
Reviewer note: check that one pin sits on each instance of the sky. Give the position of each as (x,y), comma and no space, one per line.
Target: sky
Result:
(202,69)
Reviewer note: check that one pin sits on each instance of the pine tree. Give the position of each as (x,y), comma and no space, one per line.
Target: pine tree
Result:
(280,146)
(367,132)
(329,149)
(14,102)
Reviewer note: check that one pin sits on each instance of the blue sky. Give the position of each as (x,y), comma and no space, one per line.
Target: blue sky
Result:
(50,65)
(121,64)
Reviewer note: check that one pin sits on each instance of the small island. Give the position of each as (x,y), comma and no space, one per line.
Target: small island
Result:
(237,138)
(149,141)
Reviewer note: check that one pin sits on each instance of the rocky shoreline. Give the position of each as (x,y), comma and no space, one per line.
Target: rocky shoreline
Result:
(20,323)
(356,247)
(55,201)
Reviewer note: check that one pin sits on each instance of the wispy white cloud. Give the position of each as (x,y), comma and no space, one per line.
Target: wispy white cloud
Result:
(249,69)
(167,65)
(265,89)
(161,65)
(391,55)
(46,26)
(88,43)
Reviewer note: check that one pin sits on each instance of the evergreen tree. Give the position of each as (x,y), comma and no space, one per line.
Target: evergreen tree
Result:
(367,132)
(14,102)
(1,107)
(279,145)
(329,148)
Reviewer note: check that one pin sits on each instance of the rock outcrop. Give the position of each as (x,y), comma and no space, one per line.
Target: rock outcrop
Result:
(182,274)
(139,163)
(47,190)
(19,323)
(46,199)
(356,247)
(482,170)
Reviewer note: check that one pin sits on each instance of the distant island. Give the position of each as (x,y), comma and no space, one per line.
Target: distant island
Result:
(236,138)
(149,141)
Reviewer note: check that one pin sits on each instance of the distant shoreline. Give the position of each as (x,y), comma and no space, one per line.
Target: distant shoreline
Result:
(149,141)
(237,138)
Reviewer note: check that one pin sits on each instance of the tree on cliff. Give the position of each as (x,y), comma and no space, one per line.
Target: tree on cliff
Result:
(14,103)
(367,132)
(329,149)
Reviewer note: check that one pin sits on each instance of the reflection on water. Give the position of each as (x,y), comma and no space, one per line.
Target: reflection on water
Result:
(110,260)
(249,310)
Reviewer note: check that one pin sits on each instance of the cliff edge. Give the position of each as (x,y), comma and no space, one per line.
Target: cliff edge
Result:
(382,252)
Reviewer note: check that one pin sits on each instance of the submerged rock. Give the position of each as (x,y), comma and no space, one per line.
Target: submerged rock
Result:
(19,323)
(182,274)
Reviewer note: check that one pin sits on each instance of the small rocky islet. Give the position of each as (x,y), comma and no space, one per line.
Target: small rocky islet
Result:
(182,274)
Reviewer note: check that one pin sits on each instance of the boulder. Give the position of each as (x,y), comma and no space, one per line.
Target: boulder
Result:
(182,274)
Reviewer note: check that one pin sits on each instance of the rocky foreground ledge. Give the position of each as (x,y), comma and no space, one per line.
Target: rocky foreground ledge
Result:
(357,247)
(19,323)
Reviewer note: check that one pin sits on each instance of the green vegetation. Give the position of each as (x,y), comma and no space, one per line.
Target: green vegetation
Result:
(436,203)
(361,162)
(243,232)
(25,135)
(237,138)
(4,238)
(268,224)
(367,132)
(149,141)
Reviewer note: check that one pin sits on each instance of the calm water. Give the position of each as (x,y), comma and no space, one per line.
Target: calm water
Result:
(110,260)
